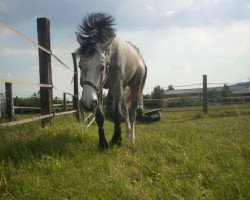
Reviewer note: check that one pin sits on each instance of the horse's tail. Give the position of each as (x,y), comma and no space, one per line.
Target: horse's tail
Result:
(141,89)
(144,79)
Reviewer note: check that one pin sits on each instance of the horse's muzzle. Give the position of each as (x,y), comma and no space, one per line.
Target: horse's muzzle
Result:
(89,107)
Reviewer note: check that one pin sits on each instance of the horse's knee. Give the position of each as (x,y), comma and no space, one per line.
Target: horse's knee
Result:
(118,117)
(99,117)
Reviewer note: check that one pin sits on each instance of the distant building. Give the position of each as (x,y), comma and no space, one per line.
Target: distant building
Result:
(242,89)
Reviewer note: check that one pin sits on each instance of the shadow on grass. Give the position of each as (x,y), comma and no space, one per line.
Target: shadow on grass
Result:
(19,149)
(147,121)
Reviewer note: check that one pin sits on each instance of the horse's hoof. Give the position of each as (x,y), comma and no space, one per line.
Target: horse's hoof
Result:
(103,145)
(115,142)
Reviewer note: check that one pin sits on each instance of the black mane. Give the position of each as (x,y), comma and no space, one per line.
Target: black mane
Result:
(95,27)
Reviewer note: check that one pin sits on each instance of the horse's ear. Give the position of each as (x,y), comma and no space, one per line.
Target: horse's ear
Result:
(79,38)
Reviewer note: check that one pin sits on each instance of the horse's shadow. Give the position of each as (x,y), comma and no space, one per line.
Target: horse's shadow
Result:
(44,146)
(146,121)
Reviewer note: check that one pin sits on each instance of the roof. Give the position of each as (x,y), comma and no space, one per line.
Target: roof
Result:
(239,88)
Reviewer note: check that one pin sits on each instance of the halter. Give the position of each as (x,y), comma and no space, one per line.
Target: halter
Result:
(99,88)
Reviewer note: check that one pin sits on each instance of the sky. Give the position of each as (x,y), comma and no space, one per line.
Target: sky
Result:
(180,40)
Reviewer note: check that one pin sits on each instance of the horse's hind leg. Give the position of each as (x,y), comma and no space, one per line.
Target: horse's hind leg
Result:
(132,114)
(100,121)
(126,117)
(136,93)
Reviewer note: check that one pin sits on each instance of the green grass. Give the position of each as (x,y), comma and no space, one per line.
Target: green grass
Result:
(185,155)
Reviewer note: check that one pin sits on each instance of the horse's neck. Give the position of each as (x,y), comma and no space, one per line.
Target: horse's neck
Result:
(116,47)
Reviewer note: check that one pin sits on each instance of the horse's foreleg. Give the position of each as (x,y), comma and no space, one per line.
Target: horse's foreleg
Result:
(118,117)
(100,122)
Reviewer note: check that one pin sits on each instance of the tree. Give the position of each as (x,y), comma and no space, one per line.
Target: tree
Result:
(146,96)
(158,93)
(27,101)
(213,93)
(170,87)
(226,91)
(57,100)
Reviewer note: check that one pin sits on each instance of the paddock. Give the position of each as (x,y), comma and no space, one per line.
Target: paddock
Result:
(184,155)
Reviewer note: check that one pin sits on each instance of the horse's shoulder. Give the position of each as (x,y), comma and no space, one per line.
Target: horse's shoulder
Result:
(133,46)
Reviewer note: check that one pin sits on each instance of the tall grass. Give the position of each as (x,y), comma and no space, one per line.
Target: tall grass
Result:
(185,155)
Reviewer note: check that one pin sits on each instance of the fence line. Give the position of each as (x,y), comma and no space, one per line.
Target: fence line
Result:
(23,121)
(179,98)
(46,92)
(187,85)
(90,123)
(26,84)
(32,119)
(27,108)
(88,117)
(17,82)
(221,83)
(63,91)
(195,84)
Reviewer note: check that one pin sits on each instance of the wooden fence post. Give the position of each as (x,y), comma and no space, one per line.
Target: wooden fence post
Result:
(46,94)
(205,98)
(64,101)
(9,101)
(76,105)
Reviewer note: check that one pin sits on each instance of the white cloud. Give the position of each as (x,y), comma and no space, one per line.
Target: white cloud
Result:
(190,4)
(170,12)
(180,56)
(150,8)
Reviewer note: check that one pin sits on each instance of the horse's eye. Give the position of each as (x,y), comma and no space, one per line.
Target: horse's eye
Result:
(102,67)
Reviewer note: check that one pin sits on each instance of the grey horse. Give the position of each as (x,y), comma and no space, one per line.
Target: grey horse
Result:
(106,61)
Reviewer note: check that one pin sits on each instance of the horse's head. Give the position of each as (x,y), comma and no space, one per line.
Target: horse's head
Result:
(93,68)
(95,39)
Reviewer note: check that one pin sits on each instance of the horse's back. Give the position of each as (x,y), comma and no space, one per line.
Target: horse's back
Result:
(140,71)
(128,59)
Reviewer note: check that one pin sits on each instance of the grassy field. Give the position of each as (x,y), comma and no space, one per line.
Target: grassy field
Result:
(185,155)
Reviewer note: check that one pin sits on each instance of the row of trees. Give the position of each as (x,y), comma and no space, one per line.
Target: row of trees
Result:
(225,92)
(33,100)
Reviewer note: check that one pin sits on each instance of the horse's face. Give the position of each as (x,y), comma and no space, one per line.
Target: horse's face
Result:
(93,68)
(92,73)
